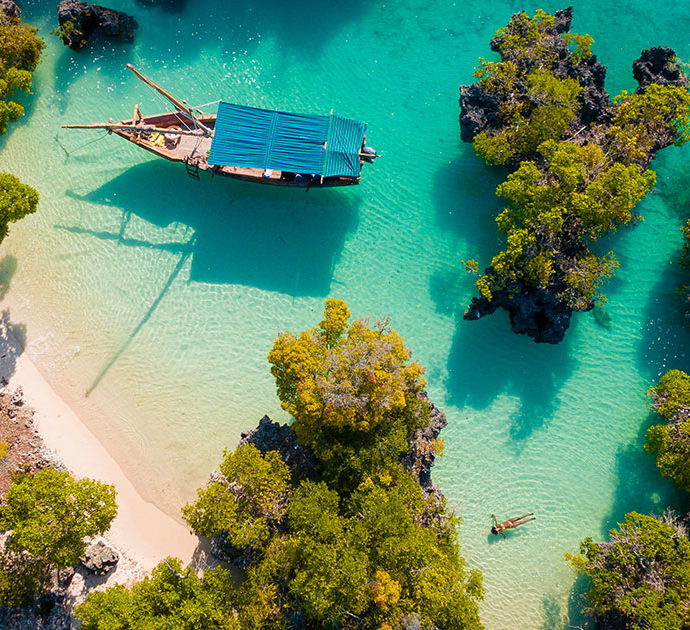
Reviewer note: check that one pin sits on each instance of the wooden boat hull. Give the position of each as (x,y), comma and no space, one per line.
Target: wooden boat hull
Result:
(193,151)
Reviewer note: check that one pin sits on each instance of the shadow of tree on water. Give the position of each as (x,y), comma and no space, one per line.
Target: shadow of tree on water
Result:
(487,359)
(641,488)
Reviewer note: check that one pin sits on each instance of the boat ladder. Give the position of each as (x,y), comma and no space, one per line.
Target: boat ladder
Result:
(192,168)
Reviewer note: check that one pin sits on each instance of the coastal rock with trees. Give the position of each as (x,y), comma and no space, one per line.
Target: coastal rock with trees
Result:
(79,20)
(334,517)
(640,579)
(669,442)
(579,164)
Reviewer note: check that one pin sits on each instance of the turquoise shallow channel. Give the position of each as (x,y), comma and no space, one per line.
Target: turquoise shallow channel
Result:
(150,300)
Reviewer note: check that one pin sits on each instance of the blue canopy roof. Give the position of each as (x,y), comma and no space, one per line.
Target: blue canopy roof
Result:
(299,143)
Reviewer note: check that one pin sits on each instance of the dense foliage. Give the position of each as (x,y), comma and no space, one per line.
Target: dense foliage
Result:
(354,393)
(20,51)
(247,499)
(352,541)
(670,442)
(640,580)
(16,201)
(167,599)
(49,515)
(580,162)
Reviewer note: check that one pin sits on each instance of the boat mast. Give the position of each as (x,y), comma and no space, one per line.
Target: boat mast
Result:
(177,103)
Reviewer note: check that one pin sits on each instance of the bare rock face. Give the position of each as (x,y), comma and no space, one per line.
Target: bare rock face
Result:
(658,65)
(79,20)
(8,7)
(99,558)
(272,436)
(538,313)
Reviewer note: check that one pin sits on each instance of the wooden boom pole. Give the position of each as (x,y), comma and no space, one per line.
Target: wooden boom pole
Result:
(151,128)
(179,104)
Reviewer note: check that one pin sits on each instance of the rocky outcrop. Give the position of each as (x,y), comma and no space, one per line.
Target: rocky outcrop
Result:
(21,446)
(479,108)
(658,65)
(544,313)
(478,111)
(272,436)
(421,453)
(8,7)
(99,558)
(79,20)
(538,313)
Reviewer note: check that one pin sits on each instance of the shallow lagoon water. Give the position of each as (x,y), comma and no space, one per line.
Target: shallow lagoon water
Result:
(151,300)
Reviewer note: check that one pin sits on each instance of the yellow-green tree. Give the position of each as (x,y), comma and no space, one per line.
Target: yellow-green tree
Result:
(344,382)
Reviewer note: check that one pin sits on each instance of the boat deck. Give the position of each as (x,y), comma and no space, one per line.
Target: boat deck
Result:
(194,150)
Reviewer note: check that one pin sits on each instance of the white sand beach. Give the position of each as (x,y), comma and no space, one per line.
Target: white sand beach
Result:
(140,530)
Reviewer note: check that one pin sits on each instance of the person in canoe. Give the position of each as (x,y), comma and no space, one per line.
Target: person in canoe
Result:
(511,523)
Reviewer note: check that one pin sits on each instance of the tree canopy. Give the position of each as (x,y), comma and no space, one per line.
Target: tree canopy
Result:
(16,201)
(167,599)
(669,443)
(640,580)
(350,387)
(351,542)
(20,51)
(50,515)
(579,162)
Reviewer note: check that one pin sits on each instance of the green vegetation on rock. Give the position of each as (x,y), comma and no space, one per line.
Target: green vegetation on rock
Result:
(640,580)
(167,599)
(20,51)
(50,515)
(670,442)
(580,162)
(350,541)
(16,201)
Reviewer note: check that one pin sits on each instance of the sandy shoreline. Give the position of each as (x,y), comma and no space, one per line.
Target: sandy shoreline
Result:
(141,530)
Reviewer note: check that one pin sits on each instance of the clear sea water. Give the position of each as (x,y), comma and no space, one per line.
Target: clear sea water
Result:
(151,300)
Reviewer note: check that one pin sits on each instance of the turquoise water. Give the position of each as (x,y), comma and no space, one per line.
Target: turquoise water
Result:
(150,300)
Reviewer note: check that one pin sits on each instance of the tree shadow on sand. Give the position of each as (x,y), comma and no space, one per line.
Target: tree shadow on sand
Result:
(12,335)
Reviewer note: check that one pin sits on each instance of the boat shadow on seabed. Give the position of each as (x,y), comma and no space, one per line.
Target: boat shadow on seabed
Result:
(274,239)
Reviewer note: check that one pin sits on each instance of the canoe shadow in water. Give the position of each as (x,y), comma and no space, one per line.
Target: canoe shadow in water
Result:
(275,239)
(272,238)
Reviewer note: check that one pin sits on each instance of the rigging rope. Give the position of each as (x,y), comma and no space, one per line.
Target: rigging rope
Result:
(81,146)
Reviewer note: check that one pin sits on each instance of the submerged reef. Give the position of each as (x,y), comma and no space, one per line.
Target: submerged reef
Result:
(579,163)
(79,20)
